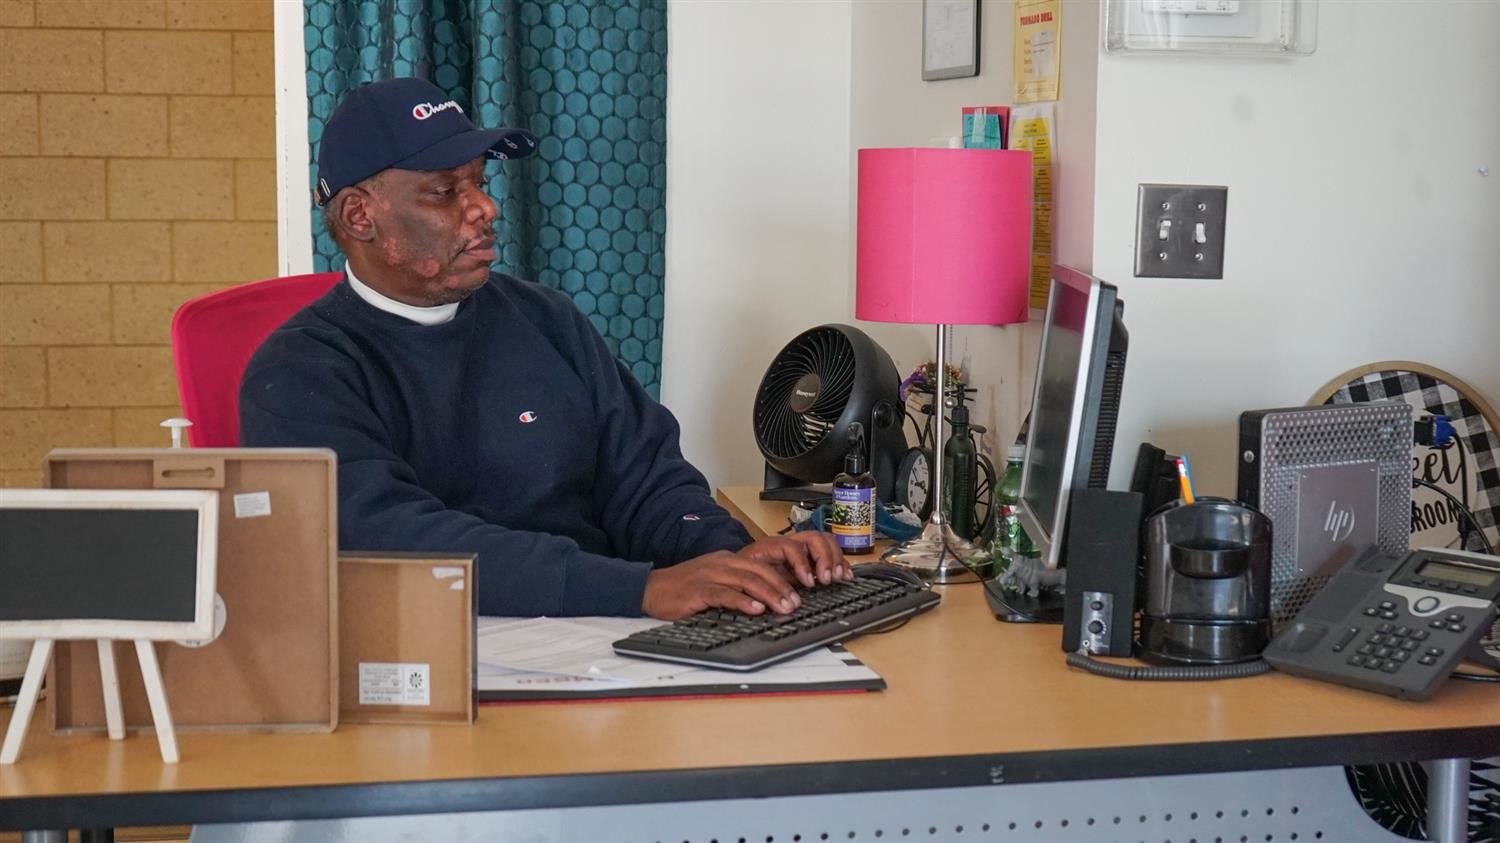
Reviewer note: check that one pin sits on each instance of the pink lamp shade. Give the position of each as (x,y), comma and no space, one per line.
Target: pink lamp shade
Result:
(944,236)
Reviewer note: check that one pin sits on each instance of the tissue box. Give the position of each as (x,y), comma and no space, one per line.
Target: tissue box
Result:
(985,126)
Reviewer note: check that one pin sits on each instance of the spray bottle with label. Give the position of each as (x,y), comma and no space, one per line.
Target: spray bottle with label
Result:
(852,518)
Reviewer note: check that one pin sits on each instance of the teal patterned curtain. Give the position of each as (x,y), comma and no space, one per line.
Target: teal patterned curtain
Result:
(587,215)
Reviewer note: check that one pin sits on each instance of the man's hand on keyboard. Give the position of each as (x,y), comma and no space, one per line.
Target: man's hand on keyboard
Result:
(719,580)
(813,557)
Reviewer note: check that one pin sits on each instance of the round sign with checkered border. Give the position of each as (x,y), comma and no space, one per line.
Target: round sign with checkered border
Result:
(1466,466)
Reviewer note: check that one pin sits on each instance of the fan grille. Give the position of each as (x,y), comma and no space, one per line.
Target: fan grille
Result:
(780,429)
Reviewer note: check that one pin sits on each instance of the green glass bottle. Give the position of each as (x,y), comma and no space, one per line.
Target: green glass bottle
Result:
(960,468)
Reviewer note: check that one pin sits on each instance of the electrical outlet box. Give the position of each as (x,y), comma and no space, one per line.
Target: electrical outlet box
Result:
(1180,231)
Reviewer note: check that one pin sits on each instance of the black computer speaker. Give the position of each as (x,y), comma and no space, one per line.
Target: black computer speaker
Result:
(1101,551)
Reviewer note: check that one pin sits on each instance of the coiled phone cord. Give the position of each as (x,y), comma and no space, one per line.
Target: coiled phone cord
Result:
(1168,673)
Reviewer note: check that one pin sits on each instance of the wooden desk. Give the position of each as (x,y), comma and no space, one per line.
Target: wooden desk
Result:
(924,731)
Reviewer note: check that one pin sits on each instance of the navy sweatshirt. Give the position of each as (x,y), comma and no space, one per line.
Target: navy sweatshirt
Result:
(510,432)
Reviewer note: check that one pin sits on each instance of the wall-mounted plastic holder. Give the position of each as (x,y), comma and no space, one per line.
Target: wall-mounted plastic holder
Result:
(1233,28)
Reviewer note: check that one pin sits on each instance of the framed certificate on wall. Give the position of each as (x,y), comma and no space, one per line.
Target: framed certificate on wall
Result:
(950,39)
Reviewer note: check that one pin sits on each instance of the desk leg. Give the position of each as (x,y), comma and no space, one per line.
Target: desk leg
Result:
(96,835)
(1448,800)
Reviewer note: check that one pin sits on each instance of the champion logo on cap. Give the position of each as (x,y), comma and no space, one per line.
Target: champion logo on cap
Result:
(424,110)
(527,417)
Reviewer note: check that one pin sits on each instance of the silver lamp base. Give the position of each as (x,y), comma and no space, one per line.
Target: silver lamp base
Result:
(931,555)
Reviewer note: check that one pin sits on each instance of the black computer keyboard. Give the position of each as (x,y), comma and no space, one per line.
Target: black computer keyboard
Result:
(729,640)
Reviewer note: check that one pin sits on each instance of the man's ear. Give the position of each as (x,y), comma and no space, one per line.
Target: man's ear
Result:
(354,214)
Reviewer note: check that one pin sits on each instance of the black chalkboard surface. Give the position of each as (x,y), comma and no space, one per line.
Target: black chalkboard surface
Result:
(107,564)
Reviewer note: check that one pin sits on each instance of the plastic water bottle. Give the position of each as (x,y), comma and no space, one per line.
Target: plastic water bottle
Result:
(1010,541)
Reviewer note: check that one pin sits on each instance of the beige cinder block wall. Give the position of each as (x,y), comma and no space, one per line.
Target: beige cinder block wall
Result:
(137,143)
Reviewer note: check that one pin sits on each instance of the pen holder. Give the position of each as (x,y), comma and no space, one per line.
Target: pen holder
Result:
(1208,583)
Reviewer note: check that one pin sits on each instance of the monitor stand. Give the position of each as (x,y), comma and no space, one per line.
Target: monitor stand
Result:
(1019,607)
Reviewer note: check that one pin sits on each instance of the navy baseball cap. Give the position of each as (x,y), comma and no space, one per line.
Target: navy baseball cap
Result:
(408,124)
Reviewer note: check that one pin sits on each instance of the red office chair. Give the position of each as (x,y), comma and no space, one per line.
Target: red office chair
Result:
(213,338)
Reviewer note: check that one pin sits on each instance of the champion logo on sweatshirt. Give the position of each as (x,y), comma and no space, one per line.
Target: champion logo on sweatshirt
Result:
(527,417)
(690,517)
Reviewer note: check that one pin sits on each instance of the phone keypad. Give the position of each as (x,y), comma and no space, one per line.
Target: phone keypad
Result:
(1389,646)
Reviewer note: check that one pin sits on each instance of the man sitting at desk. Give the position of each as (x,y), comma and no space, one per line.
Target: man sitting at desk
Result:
(474,412)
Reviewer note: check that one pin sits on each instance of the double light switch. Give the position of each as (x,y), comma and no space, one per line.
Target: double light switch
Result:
(1180,231)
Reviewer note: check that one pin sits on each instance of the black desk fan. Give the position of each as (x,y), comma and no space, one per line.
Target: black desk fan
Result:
(822,381)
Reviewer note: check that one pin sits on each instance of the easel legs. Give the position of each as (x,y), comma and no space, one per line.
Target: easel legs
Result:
(109,681)
(31,685)
(145,651)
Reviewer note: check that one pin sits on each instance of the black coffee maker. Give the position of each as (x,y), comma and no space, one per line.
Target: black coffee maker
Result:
(1207,584)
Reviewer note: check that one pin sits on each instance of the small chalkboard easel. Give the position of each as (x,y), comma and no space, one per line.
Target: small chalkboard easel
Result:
(105,565)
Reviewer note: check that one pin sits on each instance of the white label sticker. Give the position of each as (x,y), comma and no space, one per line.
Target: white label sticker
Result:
(252,504)
(382,683)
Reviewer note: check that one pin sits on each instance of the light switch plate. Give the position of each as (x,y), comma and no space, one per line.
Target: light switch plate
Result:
(1171,220)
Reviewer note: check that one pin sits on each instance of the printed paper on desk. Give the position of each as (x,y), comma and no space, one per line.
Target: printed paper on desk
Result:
(541,658)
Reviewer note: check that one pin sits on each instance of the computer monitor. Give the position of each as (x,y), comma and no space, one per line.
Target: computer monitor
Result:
(1075,406)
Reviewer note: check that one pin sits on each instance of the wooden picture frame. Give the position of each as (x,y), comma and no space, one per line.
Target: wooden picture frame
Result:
(275,666)
(407,612)
(950,39)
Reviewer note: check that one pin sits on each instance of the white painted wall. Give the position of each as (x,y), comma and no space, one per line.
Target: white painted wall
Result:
(757,207)
(1359,227)
(294,247)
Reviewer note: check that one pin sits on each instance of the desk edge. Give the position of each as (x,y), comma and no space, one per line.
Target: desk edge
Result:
(646,787)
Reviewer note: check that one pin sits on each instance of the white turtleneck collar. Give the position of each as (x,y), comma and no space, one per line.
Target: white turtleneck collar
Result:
(436,315)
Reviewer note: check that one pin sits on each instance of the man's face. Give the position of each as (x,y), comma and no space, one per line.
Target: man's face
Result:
(435,230)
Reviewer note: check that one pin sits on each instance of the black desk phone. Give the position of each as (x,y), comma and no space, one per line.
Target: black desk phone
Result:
(1394,625)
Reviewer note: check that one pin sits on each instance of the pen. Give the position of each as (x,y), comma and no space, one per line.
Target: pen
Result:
(1185,479)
